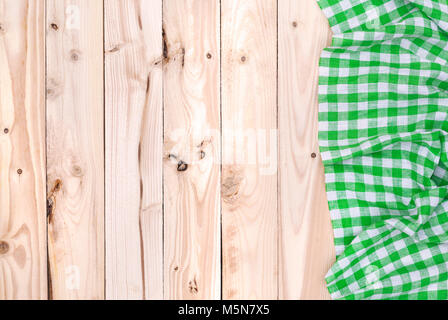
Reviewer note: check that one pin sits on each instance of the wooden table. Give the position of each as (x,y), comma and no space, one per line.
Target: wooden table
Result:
(161,149)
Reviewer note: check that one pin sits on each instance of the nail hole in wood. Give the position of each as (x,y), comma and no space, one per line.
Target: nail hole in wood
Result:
(6,131)
(294,24)
(4,247)
(176,268)
(313,155)
(202,154)
(243,59)
(209,55)
(54,26)
(19,171)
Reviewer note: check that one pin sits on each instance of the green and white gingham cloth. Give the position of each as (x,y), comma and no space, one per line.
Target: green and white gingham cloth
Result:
(383,125)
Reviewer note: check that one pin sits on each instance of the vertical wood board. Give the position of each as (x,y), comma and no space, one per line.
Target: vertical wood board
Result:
(306,242)
(249,123)
(192,149)
(133,109)
(23,258)
(75,160)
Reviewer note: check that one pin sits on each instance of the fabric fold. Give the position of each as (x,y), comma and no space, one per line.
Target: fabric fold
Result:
(383,137)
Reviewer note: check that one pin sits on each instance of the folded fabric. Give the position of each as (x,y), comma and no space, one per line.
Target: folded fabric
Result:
(383,126)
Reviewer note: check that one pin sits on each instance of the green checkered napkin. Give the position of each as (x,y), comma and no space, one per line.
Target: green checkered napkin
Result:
(383,125)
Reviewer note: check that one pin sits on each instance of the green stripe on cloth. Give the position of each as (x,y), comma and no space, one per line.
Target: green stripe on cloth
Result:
(383,125)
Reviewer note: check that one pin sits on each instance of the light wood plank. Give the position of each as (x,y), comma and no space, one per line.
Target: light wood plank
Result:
(249,178)
(23,258)
(306,242)
(75,161)
(133,109)
(192,149)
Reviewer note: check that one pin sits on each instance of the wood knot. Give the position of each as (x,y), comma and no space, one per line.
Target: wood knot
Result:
(75,55)
(57,186)
(4,247)
(182,166)
(165,46)
(77,171)
(193,286)
(50,92)
(231,185)
(50,209)
(51,200)
(53,88)
(115,48)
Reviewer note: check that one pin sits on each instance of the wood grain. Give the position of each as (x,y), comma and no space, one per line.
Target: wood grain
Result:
(249,122)
(133,122)
(306,242)
(23,258)
(75,161)
(192,149)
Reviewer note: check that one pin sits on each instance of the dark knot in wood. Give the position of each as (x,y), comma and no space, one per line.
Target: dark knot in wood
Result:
(4,247)
(182,166)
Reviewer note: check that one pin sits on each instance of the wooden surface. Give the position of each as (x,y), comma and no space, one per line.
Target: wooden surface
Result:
(133,120)
(75,161)
(306,238)
(174,144)
(23,257)
(249,111)
(192,149)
